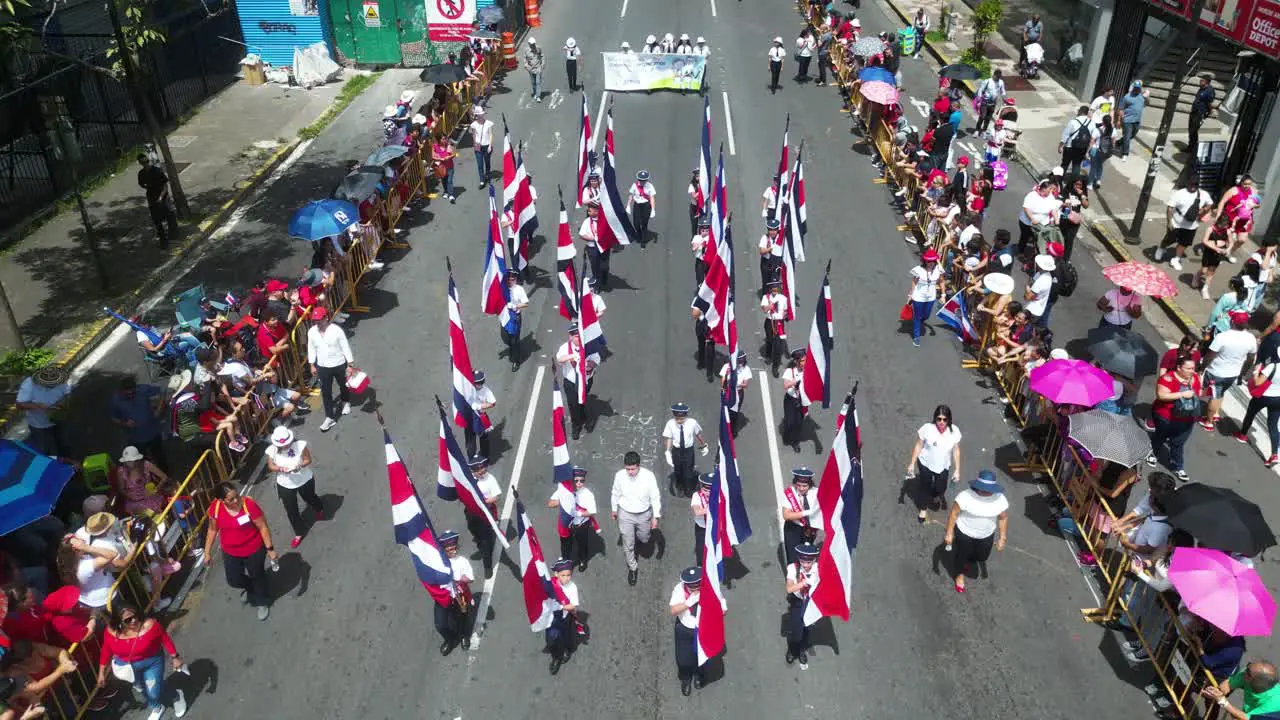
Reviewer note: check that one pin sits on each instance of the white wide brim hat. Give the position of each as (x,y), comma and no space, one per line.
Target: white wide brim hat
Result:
(998,283)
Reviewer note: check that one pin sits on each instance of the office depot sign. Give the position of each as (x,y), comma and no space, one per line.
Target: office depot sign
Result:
(1254,24)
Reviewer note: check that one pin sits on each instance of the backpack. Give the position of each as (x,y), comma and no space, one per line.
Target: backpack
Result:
(1080,139)
(1067,278)
(999,175)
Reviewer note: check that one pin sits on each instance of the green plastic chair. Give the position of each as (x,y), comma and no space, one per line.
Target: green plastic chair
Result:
(95,472)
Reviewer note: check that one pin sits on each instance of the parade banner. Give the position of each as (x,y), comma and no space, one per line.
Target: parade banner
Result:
(653,71)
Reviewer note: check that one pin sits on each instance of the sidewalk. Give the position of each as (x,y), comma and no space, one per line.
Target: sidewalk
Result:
(1045,106)
(222,152)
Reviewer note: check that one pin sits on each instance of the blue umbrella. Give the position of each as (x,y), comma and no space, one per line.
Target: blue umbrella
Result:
(320,219)
(30,484)
(877,74)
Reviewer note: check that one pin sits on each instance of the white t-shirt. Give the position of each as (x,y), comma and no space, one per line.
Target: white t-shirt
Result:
(95,583)
(239,373)
(937,448)
(489,486)
(770,201)
(1043,208)
(570,590)
(1181,201)
(1231,348)
(518,297)
(795,376)
(776,54)
(805,46)
(1119,304)
(1041,287)
(588,231)
(925,287)
(686,618)
(462,572)
(744,375)
(481,132)
(978,514)
(1101,105)
(288,459)
(586,504)
(688,438)
(1272,373)
(483,396)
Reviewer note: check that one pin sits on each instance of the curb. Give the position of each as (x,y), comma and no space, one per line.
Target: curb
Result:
(1114,245)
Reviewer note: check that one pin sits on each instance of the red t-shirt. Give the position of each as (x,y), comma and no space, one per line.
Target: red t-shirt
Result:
(26,625)
(129,650)
(68,619)
(267,338)
(1163,409)
(1170,358)
(239,536)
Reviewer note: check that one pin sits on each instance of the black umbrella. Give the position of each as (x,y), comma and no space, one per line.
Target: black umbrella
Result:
(1123,351)
(960,71)
(1219,518)
(360,184)
(442,74)
(1109,436)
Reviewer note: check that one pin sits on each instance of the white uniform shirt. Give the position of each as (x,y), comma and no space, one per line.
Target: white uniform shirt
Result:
(794,573)
(978,515)
(744,375)
(937,448)
(693,193)
(566,357)
(925,283)
(596,301)
(570,590)
(808,504)
(572,53)
(795,375)
(329,348)
(771,244)
(774,306)
(586,506)
(667,46)
(518,297)
(636,494)
(684,48)
(770,201)
(776,53)
(688,618)
(649,49)
(704,50)
(489,486)
(288,459)
(682,435)
(590,195)
(698,503)
(1120,303)
(483,396)
(481,132)
(462,572)
(642,197)
(588,231)
(699,246)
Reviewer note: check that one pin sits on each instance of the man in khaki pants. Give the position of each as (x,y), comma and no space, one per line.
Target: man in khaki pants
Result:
(636,504)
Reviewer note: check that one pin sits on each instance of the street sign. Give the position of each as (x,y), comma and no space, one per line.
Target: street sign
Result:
(449,20)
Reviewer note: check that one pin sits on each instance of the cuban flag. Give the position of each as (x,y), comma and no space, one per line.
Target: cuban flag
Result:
(525,210)
(566,270)
(584,150)
(713,299)
(497,296)
(704,158)
(616,228)
(464,390)
(840,497)
(542,596)
(736,526)
(589,327)
(794,207)
(954,313)
(709,635)
(784,165)
(454,480)
(510,183)
(816,385)
(413,529)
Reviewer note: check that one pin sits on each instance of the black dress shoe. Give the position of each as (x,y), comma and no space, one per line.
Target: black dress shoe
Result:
(577,431)
(790,658)
(686,687)
(446,647)
(803,657)
(697,681)
(515,366)
(466,642)
(582,566)
(632,576)
(555,665)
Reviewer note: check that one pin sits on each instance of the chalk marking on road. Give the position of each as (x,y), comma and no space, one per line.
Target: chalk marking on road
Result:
(522,101)
(555,149)
(624,9)
(120,333)
(728,122)
(921,106)
(775,464)
(482,611)
(595,132)
(554,101)
(713,8)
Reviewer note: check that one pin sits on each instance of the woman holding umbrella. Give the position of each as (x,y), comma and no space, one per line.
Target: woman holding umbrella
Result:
(1176,409)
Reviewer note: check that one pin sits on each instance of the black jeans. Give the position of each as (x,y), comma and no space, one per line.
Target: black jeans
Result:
(327,376)
(985,112)
(577,410)
(249,574)
(769,265)
(1026,235)
(823,61)
(775,69)
(289,498)
(792,419)
(706,351)
(571,69)
(774,346)
(451,622)
(793,535)
(482,536)
(699,273)
(693,219)
(476,442)
(797,631)
(599,265)
(512,341)
(1071,159)
(682,461)
(577,547)
(1272,406)
(1069,231)
(699,543)
(803,62)
(562,635)
(933,487)
(640,213)
(165,221)
(1194,121)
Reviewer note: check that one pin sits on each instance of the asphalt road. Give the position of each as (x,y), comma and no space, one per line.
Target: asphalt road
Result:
(351,631)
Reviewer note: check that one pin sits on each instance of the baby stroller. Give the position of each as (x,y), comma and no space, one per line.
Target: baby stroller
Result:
(1007,115)
(1035,58)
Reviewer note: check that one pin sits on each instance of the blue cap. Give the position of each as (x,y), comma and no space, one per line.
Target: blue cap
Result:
(579,471)
(679,408)
(707,479)
(806,551)
(561,564)
(773,284)
(986,482)
(704,221)
(478,377)
(797,352)
(592,281)
(447,538)
(642,176)
(691,576)
(573,328)
(477,461)
(742,356)
(773,224)
(801,473)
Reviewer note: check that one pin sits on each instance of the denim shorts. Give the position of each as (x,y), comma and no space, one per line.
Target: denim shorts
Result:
(1219,386)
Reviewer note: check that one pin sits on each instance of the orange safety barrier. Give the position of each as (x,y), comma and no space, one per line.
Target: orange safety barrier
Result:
(509,51)
(531,13)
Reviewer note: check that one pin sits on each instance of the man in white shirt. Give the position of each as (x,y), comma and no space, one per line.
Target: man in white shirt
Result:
(331,360)
(793,409)
(453,621)
(636,504)
(744,381)
(642,205)
(481,129)
(567,356)
(1186,206)
(589,233)
(776,55)
(481,402)
(1229,354)
(774,307)
(802,518)
(1040,290)
(802,576)
(518,302)
(477,524)
(290,460)
(580,511)
(561,636)
(699,245)
(1119,307)
(1039,209)
(684,608)
(770,252)
(679,436)
(43,392)
(1077,137)
(571,55)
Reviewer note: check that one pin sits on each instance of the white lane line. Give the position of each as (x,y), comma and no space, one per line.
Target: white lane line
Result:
(713,8)
(482,611)
(624,9)
(728,121)
(595,131)
(775,464)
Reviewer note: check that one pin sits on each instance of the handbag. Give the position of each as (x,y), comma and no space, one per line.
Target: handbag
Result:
(1191,408)
(441,170)
(1258,389)
(122,670)
(906,313)
(358,382)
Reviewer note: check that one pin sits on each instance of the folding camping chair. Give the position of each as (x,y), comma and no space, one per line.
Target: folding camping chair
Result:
(189,311)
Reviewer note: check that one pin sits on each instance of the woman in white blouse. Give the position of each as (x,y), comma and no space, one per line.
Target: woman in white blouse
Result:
(979,519)
(936,452)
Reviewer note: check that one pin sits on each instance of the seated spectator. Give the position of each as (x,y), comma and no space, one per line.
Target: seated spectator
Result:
(36,667)
(70,621)
(137,480)
(273,337)
(196,418)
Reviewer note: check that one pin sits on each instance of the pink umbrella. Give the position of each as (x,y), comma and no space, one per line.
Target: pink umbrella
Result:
(1072,382)
(1222,591)
(1141,278)
(879,92)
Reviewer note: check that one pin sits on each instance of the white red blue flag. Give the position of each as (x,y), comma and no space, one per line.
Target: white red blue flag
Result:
(714,298)
(497,296)
(584,151)
(704,158)
(525,210)
(794,207)
(413,529)
(616,228)
(709,635)
(566,492)
(589,327)
(816,385)
(840,498)
(464,390)
(736,526)
(787,274)
(566,270)
(542,596)
(784,170)
(454,480)
(954,313)
(510,183)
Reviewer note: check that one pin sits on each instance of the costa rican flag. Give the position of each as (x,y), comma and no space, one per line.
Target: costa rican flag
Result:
(784,165)
(454,480)
(566,270)
(794,207)
(802,212)
(714,298)
(704,157)
(589,327)
(816,385)
(737,526)
(525,210)
(709,635)
(497,296)
(616,228)
(413,529)
(787,275)
(464,390)
(954,313)
(840,497)
(510,183)
(584,151)
(542,596)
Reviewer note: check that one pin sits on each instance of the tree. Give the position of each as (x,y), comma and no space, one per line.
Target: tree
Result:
(986,20)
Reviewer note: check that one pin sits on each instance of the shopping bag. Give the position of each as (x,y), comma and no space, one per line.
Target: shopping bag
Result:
(906,313)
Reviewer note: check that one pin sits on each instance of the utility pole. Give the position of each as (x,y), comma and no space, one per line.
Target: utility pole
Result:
(1187,40)
(133,83)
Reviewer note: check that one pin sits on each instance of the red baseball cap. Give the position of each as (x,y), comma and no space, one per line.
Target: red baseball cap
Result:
(964,160)
(1239,317)
(1055,249)
(319,313)
(277,286)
